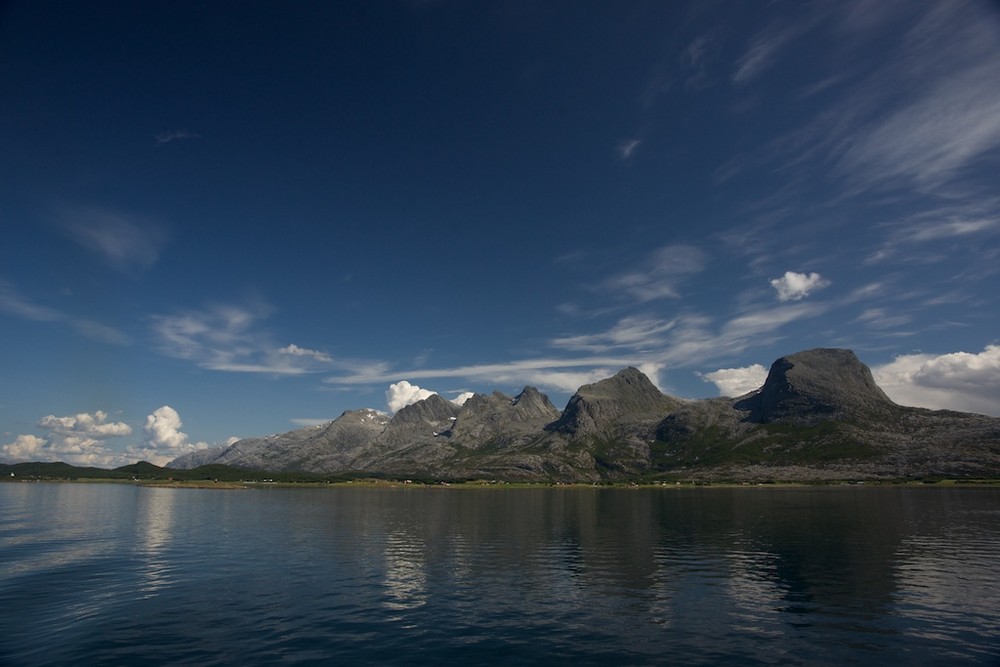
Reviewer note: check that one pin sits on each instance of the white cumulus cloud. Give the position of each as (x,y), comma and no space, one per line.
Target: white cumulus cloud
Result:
(955,381)
(402,393)
(795,286)
(463,397)
(163,428)
(164,439)
(93,426)
(737,381)
(78,439)
(26,448)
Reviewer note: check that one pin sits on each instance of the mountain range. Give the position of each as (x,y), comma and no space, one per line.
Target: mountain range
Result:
(819,415)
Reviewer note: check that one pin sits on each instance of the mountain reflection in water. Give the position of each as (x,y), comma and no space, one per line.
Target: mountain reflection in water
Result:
(117,573)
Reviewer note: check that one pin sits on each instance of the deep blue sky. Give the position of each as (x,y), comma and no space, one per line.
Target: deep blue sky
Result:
(253,216)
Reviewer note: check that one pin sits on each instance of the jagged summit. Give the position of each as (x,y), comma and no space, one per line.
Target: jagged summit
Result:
(432,409)
(628,395)
(814,385)
(364,414)
(427,418)
(819,415)
(531,403)
(484,419)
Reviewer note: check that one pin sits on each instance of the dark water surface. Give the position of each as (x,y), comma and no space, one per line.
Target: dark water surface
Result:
(118,574)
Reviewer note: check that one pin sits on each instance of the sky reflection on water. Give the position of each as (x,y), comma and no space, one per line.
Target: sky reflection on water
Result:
(705,576)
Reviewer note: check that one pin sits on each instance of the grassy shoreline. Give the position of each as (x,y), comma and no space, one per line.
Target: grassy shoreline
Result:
(486,484)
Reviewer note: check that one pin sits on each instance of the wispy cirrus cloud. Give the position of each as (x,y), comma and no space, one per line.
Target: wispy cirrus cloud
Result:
(970,223)
(627,147)
(296,351)
(649,343)
(549,372)
(921,117)
(174,135)
(762,52)
(232,338)
(658,275)
(632,332)
(930,141)
(882,319)
(765,47)
(14,303)
(696,59)
(124,242)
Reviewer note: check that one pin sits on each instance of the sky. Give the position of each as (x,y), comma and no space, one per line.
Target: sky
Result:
(229,219)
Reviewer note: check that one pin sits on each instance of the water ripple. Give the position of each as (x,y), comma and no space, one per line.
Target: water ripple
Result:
(117,575)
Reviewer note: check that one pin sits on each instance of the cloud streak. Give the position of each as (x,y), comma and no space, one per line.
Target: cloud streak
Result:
(648,343)
(658,275)
(627,147)
(14,303)
(124,242)
(920,118)
(762,52)
(230,338)
(174,135)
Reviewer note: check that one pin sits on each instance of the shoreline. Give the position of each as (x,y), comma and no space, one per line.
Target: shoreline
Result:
(394,484)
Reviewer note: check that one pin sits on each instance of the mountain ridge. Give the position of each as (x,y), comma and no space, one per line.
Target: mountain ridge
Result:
(818,415)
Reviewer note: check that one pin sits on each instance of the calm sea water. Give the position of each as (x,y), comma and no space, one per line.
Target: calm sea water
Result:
(117,574)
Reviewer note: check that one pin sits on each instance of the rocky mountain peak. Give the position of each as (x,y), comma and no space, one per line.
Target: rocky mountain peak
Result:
(819,415)
(362,416)
(478,403)
(532,403)
(627,395)
(487,418)
(430,410)
(816,385)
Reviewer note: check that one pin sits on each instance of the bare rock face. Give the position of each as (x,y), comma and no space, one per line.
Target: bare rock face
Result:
(819,415)
(498,419)
(426,418)
(614,423)
(324,448)
(817,385)
(628,397)
(197,458)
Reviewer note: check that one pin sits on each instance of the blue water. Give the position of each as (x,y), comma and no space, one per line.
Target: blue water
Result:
(118,574)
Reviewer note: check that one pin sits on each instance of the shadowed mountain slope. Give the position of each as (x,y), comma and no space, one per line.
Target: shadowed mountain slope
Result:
(819,415)
(811,386)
